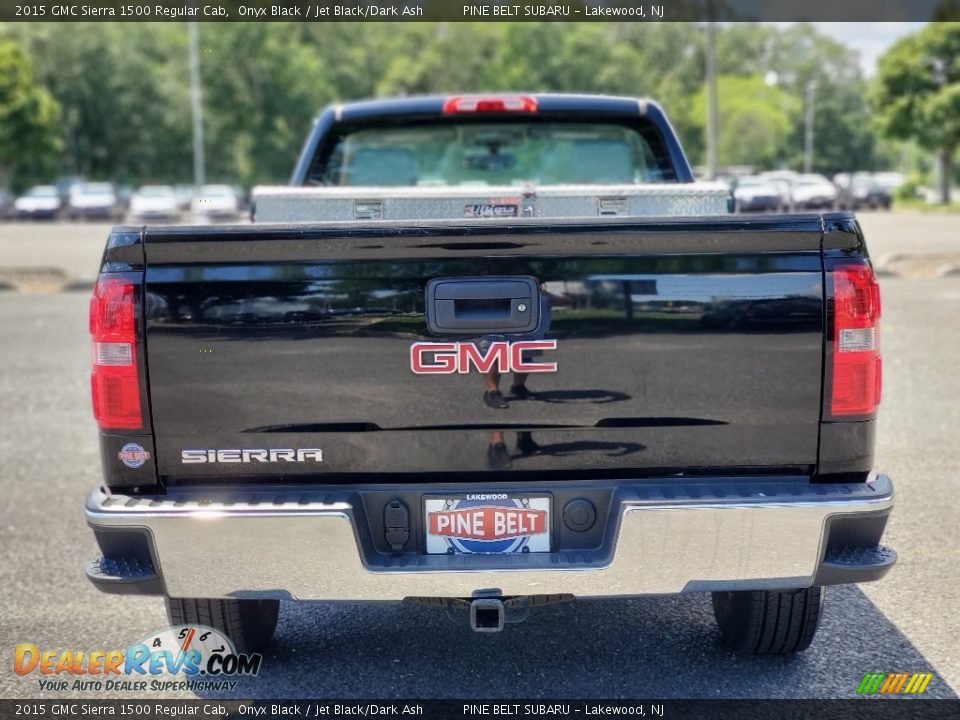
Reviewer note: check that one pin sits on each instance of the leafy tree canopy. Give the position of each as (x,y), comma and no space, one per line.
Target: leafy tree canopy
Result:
(917,93)
(124,91)
(754,120)
(29,116)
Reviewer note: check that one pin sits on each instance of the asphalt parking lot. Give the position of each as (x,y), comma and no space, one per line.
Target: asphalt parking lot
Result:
(651,647)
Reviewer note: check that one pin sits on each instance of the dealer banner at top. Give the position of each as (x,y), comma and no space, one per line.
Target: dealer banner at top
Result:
(481,11)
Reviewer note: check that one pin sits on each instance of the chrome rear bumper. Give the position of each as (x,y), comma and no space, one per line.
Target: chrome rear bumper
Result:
(666,539)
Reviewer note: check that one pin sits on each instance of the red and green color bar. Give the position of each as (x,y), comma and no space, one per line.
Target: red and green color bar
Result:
(894,683)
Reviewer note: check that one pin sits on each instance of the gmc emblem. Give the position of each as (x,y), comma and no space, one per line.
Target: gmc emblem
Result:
(445,358)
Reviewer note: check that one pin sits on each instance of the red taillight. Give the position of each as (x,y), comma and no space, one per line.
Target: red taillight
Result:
(856,341)
(489,104)
(114,380)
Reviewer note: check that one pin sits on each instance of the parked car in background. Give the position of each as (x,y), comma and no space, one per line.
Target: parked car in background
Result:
(6,204)
(783,181)
(813,192)
(755,194)
(124,195)
(184,196)
(154,202)
(216,202)
(65,185)
(867,192)
(861,190)
(39,202)
(93,200)
(242,199)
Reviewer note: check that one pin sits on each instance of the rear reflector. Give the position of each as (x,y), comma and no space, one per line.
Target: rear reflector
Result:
(114,381)
(489,104)
(856,341)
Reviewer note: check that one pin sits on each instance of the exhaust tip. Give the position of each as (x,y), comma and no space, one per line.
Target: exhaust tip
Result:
(486,615)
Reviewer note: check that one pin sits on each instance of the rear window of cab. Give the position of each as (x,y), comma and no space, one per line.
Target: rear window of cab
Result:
(494,153)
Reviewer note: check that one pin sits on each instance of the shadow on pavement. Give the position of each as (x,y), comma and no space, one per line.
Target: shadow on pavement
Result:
(658,648)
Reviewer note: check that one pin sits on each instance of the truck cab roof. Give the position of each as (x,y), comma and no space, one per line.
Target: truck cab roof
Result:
(499,107)
(544,102)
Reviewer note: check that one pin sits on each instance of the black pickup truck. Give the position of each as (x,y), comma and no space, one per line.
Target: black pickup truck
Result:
(503,352)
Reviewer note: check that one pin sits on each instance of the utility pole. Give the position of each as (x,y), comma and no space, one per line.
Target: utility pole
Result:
(808,129)
(711,100)
(196,105)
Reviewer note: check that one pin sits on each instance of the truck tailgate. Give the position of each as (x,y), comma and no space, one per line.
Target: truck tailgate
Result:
(682,346)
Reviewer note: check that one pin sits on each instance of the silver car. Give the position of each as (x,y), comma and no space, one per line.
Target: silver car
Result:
(39,202)
(755,194)
(154,202)
(93,200)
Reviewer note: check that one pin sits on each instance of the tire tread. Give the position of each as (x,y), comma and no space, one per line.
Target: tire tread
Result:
(769,622)
(249,624)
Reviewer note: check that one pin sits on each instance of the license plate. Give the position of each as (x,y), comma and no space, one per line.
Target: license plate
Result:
(487,523)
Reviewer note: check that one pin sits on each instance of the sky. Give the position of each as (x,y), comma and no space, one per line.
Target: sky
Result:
(870,39)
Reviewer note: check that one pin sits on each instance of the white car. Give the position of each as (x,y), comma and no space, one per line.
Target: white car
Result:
(813,192)
(154,202)
(93,200)
(783,181)
(756,194)
(42,201)
(216,202)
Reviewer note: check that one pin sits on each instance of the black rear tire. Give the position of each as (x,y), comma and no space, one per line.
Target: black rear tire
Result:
(248,623)
(768,622)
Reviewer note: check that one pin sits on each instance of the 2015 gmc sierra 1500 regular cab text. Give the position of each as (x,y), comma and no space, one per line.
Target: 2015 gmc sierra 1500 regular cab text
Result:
(487,353)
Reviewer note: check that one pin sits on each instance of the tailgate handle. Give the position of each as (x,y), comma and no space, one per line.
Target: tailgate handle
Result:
(481,306)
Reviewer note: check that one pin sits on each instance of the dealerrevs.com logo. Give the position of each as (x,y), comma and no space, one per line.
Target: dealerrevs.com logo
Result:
(184,657)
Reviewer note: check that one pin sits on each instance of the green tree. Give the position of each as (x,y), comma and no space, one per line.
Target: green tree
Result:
(124,89)
(917,93)
(754,120)
(263,84)
(793,58)
(29,116)
(124,95)
(844,131)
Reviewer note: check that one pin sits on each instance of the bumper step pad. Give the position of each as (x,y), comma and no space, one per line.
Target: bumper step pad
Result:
(125,576)
(855,565)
